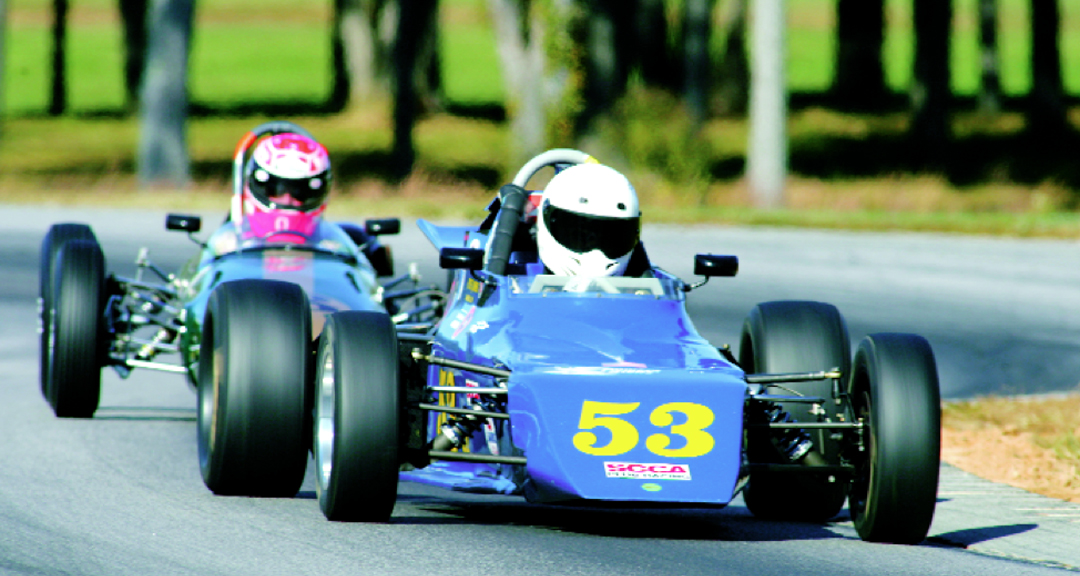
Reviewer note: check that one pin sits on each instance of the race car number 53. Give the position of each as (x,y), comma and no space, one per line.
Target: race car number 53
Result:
(624,436)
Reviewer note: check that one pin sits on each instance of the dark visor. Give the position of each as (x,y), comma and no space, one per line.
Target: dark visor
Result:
(583,233)
(298,193)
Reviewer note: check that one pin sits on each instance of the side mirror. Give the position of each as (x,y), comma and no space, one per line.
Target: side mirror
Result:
(382,226)
(461,258)
(710,265)
(183,223)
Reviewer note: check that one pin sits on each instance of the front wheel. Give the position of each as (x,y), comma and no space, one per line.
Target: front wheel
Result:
(55,238)
(73,350)
(894,390)
(357,417)
(254,370)
(796,336)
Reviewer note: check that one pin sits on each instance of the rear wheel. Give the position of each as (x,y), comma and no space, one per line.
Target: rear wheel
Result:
(357,416)
(796,336)
(73,338)
(254,372)
(894,390)
(56,237)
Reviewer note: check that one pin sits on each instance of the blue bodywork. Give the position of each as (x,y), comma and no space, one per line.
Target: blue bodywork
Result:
(612,393)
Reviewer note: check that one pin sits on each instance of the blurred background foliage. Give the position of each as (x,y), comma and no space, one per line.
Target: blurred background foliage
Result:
(253,60)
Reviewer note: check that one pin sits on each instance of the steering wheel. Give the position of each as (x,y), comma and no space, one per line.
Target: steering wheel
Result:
(552,157)
(240,156)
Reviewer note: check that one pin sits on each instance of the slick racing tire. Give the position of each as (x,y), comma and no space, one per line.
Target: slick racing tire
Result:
(254,372)
(894,389)
(74,336)
(357,416)
(55,238)
(796,336)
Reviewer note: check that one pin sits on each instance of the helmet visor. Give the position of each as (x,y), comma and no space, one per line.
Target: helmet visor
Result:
(296,193)
(582,233)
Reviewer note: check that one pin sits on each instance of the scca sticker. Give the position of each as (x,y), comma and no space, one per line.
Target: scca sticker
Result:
(635,471)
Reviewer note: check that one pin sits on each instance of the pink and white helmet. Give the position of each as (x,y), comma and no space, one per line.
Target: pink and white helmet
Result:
(286,184)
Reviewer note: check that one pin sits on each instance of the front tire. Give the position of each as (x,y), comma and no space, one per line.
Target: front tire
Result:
(55,238)
(894,389)
(75,337)
(357,417)
(796,336)
(254,372)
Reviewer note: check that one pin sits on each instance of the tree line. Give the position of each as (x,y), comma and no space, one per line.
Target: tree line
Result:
(567,62)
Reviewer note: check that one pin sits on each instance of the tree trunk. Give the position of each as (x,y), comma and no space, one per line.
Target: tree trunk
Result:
(544,83)
(766,157)
(605,77)
(930,92)
(989,63)
(1046,108)
(58,92)
(133,19)
(860,75)
(413,22)
(163,154)
(697,28)
(361,53)
(733,76)
(649,43)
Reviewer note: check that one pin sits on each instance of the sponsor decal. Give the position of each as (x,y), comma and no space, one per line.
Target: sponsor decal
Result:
(462,320)
(638,471)
(650,487)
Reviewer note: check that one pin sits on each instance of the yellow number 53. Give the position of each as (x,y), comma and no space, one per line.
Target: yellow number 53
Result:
(624,436)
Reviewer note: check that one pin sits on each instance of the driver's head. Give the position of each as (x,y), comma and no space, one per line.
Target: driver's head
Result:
(589,222)
(286,183)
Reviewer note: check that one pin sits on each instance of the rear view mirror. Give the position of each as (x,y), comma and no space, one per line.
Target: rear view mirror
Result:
(461,258)
(382,226)
(183,223)
(710,265)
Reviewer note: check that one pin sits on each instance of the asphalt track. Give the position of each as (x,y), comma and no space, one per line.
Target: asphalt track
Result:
(121,493)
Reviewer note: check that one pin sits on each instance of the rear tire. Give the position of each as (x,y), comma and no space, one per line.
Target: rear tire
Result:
(73,347)
(254,372)
(894,389)
(796,336)
(357,417)
(55,238)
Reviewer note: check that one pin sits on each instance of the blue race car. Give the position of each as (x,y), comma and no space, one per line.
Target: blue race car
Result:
(600,390)
(240,324)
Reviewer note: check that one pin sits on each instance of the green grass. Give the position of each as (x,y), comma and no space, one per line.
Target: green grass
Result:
(251,50)
(248,51)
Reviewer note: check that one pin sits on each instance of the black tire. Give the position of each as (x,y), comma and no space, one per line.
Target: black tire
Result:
(74,347)
(254,372)
(796,336)
(55,238)
(357,417)
(894,389)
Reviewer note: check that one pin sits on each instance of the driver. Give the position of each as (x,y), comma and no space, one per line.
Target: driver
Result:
(285,189)
(589,224)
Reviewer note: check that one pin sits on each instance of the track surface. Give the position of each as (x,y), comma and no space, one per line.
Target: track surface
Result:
(121,494)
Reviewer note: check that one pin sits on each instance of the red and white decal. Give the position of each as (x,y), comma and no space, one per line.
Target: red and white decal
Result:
(635,471)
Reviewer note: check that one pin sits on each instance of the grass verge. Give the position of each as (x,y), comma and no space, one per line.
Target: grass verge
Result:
(1031,443)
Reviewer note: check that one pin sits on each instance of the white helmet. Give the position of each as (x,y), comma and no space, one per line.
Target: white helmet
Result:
(589,222)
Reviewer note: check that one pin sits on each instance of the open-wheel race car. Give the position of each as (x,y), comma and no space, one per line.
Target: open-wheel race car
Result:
(571,390)
(239,320)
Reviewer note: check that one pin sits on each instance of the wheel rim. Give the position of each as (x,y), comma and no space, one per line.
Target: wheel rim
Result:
(864,478)
(324,419)
(209,389)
